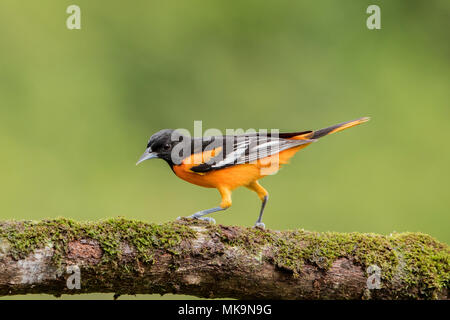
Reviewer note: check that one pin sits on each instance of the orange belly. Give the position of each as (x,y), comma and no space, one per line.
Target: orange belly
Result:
(237,175)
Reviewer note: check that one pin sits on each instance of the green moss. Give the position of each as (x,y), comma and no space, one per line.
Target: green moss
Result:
(26,236)
(413,258)
(425,259)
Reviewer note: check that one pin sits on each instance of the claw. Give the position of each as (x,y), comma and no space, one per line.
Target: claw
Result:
(260,225)
(210,220)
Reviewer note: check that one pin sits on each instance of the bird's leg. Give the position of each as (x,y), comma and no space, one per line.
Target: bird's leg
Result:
(264,196)
(259,222)
(225,204)
(200,214)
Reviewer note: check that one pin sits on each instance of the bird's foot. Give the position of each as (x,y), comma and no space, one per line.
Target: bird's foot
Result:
(208,219)
(259,225)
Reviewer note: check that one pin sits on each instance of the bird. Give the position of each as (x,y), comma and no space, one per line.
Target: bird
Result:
(227,162)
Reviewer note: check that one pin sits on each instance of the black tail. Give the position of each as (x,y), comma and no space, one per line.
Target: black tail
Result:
(338,127)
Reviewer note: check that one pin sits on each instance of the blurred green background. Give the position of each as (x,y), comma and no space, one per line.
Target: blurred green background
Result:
(78,106)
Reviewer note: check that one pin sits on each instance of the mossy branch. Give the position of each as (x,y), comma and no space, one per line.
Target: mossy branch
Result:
(196,258)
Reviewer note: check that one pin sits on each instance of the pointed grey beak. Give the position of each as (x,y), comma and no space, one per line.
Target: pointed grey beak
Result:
(148,154)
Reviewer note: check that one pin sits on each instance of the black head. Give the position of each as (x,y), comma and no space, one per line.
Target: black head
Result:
(160,146)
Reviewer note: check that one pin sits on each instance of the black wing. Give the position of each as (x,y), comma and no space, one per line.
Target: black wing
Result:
(244,149)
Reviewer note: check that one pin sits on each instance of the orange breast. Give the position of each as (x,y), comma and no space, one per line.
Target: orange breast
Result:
(234,176)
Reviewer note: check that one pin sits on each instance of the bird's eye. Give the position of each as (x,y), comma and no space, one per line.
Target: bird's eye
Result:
(167,146)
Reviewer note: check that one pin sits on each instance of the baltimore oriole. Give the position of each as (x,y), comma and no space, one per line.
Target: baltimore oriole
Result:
(231,161)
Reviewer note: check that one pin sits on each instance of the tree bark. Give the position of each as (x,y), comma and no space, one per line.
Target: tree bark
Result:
(214,261)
